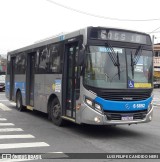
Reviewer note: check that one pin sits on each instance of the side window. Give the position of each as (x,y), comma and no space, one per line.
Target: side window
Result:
(8,64)
(41,60)
(37,60)
(54,64)
(23,63)
(20,63)
(49,59)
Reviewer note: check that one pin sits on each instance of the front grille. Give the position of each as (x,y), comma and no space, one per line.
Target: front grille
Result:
(122,94)
(118,115)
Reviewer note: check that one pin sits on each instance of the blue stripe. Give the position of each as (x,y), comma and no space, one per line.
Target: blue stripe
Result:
(123,105)
(17,85)
(7,88)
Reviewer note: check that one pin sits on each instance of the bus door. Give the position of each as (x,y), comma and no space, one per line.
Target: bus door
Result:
(12,78)
(71,81)
(30,79)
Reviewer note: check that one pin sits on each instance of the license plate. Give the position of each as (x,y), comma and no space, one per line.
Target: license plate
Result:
(127,117)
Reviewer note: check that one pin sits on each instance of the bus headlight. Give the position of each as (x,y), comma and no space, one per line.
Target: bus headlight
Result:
(93,105)
(89,102)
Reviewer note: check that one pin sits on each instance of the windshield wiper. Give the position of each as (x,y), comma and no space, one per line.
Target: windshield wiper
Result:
(112,54)
(118,65)
(137,54)
(135,60)
(114,57)
(132,65)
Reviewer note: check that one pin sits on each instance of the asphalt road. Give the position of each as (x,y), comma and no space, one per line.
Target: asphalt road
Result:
(32,132)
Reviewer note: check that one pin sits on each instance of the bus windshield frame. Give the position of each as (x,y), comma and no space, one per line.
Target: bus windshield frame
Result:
(119,68)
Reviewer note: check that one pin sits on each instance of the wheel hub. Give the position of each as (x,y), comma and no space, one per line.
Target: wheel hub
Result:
(56,111)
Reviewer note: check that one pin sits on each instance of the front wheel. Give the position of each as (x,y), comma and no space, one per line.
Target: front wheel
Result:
(19,105)
(55,112)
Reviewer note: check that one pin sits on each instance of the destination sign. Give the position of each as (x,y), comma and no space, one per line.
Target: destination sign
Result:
(123,36)
(120,35)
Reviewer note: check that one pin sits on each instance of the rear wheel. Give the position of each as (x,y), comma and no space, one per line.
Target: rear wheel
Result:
(19,105)
(55,112)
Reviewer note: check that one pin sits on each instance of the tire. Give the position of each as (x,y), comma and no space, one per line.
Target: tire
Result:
(55,112)
(19,105)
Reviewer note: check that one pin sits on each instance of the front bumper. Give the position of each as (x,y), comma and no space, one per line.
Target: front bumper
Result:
(90,116)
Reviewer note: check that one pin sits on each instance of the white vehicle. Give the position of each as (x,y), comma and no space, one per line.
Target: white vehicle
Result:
(2,82)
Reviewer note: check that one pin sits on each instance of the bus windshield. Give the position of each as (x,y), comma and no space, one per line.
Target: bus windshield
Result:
(118,68)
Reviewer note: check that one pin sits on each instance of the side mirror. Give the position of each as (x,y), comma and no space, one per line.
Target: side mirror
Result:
(81,56)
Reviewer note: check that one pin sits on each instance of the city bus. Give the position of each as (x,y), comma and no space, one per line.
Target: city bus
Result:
(95,75)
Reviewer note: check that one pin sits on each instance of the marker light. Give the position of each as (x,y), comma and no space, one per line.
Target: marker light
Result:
(97,120)
(78,106)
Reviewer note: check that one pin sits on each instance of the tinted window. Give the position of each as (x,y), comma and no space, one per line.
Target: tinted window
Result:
(49,59)
(42,59)
(20,64)
(54,64)
(8,64)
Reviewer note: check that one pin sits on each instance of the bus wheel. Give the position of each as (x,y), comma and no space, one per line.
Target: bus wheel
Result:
(19,105)
(55,112)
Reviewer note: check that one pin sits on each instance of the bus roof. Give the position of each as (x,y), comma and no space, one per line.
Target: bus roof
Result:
(49,41)
(65,36)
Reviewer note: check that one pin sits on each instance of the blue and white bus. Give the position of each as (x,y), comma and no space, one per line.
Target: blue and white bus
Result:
(95,75)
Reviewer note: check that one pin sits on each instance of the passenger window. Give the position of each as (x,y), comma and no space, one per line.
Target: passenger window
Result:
(42,59)
(54,63)
(21,63)
(48,59)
